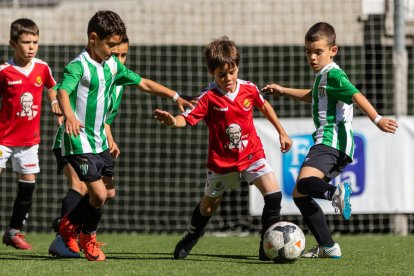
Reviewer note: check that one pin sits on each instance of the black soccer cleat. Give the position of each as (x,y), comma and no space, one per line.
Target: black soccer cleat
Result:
(184,246)
(262,255)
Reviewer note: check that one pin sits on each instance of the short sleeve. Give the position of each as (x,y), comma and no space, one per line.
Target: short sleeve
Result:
(72,75)
(126,77)
(340,87)
(199,112)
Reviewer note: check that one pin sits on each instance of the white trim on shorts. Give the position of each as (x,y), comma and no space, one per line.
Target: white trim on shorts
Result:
(25,160)
(217,184)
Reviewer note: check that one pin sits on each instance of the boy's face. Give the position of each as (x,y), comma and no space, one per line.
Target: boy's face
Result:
(101,49)
(25,49)
(226,77)
(319,53)
(121,52)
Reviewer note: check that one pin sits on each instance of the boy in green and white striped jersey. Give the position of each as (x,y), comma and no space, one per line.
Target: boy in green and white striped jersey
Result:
(76,188)
(332,98)
(85,98)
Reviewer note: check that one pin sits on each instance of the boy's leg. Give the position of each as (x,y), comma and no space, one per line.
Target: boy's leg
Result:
(269,187)
(20,213)
(199,219)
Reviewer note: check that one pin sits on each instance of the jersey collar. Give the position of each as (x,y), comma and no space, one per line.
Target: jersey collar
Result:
(327,68)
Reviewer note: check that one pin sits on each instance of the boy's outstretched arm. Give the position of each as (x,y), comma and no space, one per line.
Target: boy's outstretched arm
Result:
(157,89)
(304,95)
(383,123)
(165,118)
(270,114)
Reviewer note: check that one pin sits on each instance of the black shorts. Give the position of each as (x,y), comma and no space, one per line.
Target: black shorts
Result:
(92,167)
(328,160)
(61,161)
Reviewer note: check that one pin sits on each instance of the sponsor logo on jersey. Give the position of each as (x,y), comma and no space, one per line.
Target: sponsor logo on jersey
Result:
(15,82)
(29,165)
(223,109)
(1,153)
(38,81)
(292,161)
(247,104)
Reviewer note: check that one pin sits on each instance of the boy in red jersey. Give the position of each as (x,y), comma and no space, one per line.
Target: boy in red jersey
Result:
(22,80)
(235,149)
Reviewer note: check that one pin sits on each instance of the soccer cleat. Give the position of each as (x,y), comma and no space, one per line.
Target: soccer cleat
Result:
(341,200)
(69,234)
(318,251)
(91,247)
(59,249)
(184,246)
(17,241)
(262,255)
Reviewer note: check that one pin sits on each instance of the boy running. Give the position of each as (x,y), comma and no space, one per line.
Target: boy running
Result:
(235,149)
(332,98)
(85,98)
(76,188)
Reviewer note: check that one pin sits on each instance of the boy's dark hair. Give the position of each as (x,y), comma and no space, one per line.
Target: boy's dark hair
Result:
(106,24)
(125,39)
(220,52)
(321,30)
(22,26)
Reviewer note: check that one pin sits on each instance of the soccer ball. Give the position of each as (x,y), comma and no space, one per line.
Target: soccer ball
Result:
(283,242)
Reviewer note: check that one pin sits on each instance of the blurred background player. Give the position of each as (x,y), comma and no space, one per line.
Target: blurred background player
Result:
(86,84)
(332,100)
(235,149)
(22,80)
(76,188)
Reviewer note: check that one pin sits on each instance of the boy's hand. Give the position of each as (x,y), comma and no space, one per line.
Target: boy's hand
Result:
(56,108)
(113,149)
(164,117)
(285,143)
(387,125)
(72,126)
(273,89)
(184,103)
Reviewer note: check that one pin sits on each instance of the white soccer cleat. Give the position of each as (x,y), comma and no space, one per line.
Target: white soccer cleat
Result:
(318,251)
(341,200)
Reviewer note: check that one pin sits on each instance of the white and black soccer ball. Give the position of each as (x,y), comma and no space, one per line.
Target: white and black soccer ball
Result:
(283,242)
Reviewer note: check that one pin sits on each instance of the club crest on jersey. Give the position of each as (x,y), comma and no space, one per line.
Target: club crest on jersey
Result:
(247,104)
(38,81)
(1,154)
(322,92)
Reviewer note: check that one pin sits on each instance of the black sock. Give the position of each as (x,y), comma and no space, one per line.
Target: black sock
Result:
(271,210)
(91,218)
(22,204)
(75,216)
(315,187)
(314,218)
(198,222)
(69,201)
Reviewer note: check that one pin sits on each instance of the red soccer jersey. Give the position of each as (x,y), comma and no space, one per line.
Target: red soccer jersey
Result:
(233,141)
(21,92)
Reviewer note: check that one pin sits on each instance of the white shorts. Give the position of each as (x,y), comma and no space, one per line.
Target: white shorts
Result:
(25,160)
(216,183)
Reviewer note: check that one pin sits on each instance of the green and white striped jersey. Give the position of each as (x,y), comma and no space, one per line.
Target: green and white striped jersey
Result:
(89,85)
(113,110)
(332,109)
